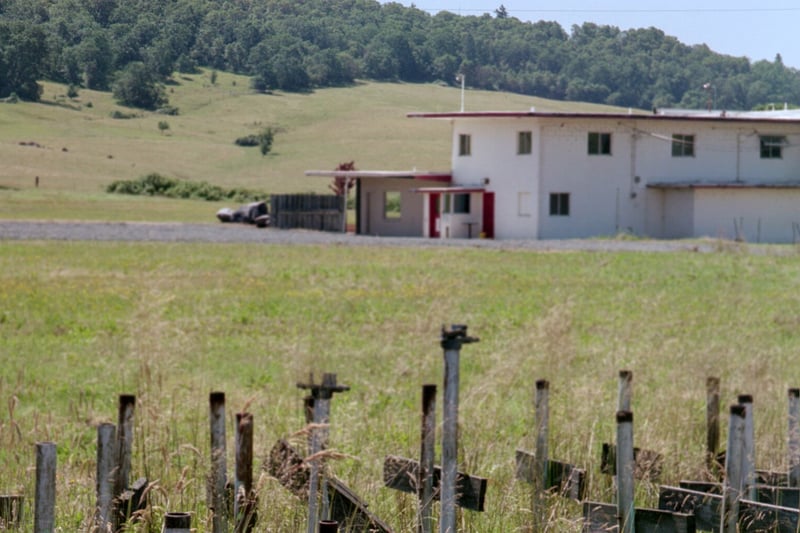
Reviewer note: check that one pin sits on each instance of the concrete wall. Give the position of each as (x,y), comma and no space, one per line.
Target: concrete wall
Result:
(495,165)
(752,215)
(608,194)
(372,219)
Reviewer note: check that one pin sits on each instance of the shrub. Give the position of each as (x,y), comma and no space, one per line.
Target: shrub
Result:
(157,185)
(122,115)
(247,140)
(265,139)
(168,110)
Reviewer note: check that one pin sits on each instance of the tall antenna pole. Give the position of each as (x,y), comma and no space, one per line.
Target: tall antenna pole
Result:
(461,77)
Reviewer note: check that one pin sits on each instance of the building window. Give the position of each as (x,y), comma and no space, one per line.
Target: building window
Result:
(559,204)
(391,205)
(464,144)
(682,145)
(524,143)
(599,143)
(772,146)
(461,204)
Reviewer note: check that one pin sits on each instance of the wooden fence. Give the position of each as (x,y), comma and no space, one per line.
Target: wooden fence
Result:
(736,498)
(308,211)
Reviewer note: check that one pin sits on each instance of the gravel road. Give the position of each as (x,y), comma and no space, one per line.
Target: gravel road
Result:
(240,233)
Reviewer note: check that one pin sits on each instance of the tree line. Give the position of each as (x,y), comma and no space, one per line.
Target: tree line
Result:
(301,45)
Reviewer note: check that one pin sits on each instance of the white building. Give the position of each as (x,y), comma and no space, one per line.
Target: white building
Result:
(540,175)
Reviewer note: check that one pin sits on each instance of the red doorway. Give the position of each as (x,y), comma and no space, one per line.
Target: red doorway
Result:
(488,215)
(433,215)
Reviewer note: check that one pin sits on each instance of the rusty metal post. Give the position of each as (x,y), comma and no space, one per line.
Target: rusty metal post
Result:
(451,344)
(712,423)
(625,467)
(106,471)
(426,462)
(44,517)
(732,485)
(127,404)
(243,498)
(794,438)
(625,390)
(177,523)
(219,467)
(749,451)
(542,410)
(321,395)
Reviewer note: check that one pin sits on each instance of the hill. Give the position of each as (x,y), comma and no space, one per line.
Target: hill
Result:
(299,46)
(76,148)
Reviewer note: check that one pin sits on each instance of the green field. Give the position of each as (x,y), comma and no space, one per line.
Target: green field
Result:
(81,323)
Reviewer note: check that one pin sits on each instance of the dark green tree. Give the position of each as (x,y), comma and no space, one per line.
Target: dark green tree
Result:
(23,57)
(136,86)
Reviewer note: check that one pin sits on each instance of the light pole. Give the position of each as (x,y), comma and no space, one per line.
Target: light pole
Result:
(712,95)
(461,77)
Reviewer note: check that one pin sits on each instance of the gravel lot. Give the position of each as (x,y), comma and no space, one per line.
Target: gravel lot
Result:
(240,233)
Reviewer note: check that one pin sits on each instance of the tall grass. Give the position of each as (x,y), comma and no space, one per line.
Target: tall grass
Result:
(81,323)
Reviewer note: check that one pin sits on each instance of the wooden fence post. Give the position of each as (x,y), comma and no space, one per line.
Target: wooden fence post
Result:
(540,482)
(320,405)
(106,471)
(732,486)
(44,518)
(216,498)
(427,459)
(625,467)
(712,424)
(244,499)
(625,390)
(451,344)
(177,523)
(10,511)
(794,438)
(127,404)
(749,451)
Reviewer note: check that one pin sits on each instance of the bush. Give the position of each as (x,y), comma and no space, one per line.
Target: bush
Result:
(157,185)
(121,115)
(168,110)
(247,140)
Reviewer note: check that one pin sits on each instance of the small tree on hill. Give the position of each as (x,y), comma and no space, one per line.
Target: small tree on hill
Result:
(265,139)
(341,185)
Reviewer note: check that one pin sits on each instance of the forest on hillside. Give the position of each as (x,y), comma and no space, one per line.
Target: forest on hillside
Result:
(299,45)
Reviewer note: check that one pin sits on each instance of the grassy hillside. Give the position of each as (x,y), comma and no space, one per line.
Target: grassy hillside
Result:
(76,147)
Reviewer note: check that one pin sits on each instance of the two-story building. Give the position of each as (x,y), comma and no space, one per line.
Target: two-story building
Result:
(541,175)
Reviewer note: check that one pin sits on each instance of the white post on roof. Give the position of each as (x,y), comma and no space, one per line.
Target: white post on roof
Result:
(461,77)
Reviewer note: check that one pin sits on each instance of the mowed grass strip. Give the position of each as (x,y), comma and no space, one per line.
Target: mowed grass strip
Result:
(82,323)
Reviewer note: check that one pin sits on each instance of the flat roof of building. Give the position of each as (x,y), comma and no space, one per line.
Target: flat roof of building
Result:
(725,185)
(426,175)
(784,116)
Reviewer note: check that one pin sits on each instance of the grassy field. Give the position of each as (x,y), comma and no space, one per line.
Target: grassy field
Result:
(81,323)
(76,148)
